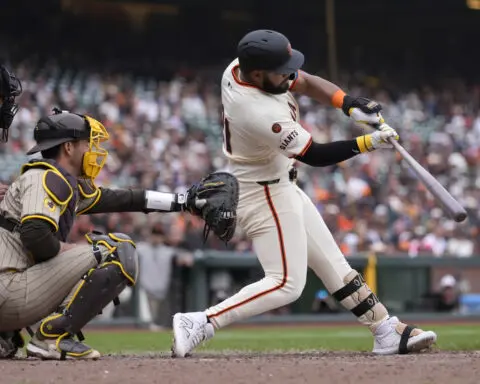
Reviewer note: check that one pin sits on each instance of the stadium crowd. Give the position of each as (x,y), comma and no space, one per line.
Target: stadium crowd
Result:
(166,135)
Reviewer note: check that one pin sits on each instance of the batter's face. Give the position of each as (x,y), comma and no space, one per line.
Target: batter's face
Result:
(273,82)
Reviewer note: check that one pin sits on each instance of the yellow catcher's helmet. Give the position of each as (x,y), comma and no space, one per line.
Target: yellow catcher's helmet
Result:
(64,126)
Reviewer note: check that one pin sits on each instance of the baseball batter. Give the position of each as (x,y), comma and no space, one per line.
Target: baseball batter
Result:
(44,278)
(262,138)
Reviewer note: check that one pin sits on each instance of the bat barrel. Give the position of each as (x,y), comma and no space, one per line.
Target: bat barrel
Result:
(452,206)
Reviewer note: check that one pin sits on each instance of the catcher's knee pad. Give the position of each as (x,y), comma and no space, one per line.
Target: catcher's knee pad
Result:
(122,250)
(98,287)
(357,297)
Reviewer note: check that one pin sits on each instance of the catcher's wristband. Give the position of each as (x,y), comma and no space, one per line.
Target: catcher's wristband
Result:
(163,201)
(365,143)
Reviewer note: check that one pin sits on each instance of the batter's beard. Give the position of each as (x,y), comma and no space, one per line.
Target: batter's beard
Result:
(267,86)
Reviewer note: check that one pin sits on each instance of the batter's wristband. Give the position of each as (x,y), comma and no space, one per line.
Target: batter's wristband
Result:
(365,143)
(337,98)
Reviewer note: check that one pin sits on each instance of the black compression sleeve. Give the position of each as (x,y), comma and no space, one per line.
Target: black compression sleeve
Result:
(37,237)
(119,200)
(322,155)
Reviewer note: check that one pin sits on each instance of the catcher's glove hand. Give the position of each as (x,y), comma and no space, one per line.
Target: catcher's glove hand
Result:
(215,199)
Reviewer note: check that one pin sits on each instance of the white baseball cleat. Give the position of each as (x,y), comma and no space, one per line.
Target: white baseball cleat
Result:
(394,337)
(189,330)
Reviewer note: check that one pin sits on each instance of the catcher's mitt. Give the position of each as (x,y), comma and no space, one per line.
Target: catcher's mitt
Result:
(215,199)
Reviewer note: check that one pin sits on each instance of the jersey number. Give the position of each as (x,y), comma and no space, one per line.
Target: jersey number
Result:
(226,133)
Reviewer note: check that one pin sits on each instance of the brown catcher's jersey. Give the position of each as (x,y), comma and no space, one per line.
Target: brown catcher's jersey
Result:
(33,196)
(261,130)
(26,198)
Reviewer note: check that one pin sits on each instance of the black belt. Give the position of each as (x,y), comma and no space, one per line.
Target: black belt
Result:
(292,176)
(8,224)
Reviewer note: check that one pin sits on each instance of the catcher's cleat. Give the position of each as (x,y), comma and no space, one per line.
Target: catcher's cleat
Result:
(189,330)
(10,343)
(394,337)
(60,349)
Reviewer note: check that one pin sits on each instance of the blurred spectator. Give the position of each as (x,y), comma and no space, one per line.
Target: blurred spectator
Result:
(167,134)
(446,298)
(156,258)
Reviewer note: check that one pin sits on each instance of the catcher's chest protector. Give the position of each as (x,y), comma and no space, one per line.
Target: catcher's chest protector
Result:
(58,187)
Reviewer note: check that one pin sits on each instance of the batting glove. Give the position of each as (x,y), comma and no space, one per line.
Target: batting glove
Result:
(362,110)
(377,139)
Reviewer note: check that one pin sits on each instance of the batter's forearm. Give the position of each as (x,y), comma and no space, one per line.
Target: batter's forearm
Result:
(136,200)
(322,155)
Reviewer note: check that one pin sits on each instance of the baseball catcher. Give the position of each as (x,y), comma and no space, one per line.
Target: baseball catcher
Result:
(10,88)
(63,286)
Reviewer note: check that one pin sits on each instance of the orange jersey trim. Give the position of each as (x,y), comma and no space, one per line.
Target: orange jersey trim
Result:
(304,150)
(283,255)
(240,82)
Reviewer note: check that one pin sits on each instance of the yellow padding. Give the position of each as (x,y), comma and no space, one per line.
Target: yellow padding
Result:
(57,345)
(37,164)
(51,194)
(76,293)
(101,242)
(85,194)
(46,218)
(113,237)
(119,265)
(50,318)
(99,194)
(106,245)
(365,143)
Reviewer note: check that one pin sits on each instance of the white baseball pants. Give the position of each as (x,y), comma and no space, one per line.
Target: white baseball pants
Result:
(288,234)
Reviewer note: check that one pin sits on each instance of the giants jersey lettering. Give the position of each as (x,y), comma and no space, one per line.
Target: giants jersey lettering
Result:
(261,131)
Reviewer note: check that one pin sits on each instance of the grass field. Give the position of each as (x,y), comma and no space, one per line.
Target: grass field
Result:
(460,337)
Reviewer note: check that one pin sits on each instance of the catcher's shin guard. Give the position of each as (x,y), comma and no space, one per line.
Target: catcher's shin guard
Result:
(97,288)
(357,297)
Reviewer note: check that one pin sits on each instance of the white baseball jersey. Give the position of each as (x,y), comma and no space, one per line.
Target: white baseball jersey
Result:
(261,130)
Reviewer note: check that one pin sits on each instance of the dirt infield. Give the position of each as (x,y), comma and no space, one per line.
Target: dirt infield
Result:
(319,367)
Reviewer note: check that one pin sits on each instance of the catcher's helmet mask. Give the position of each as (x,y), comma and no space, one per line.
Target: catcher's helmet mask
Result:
(10,88)
(64,126)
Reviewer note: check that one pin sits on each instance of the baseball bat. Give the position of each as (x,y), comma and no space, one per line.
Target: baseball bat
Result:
(451,206)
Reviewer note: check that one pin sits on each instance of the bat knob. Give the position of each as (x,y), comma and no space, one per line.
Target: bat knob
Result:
(460,216)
